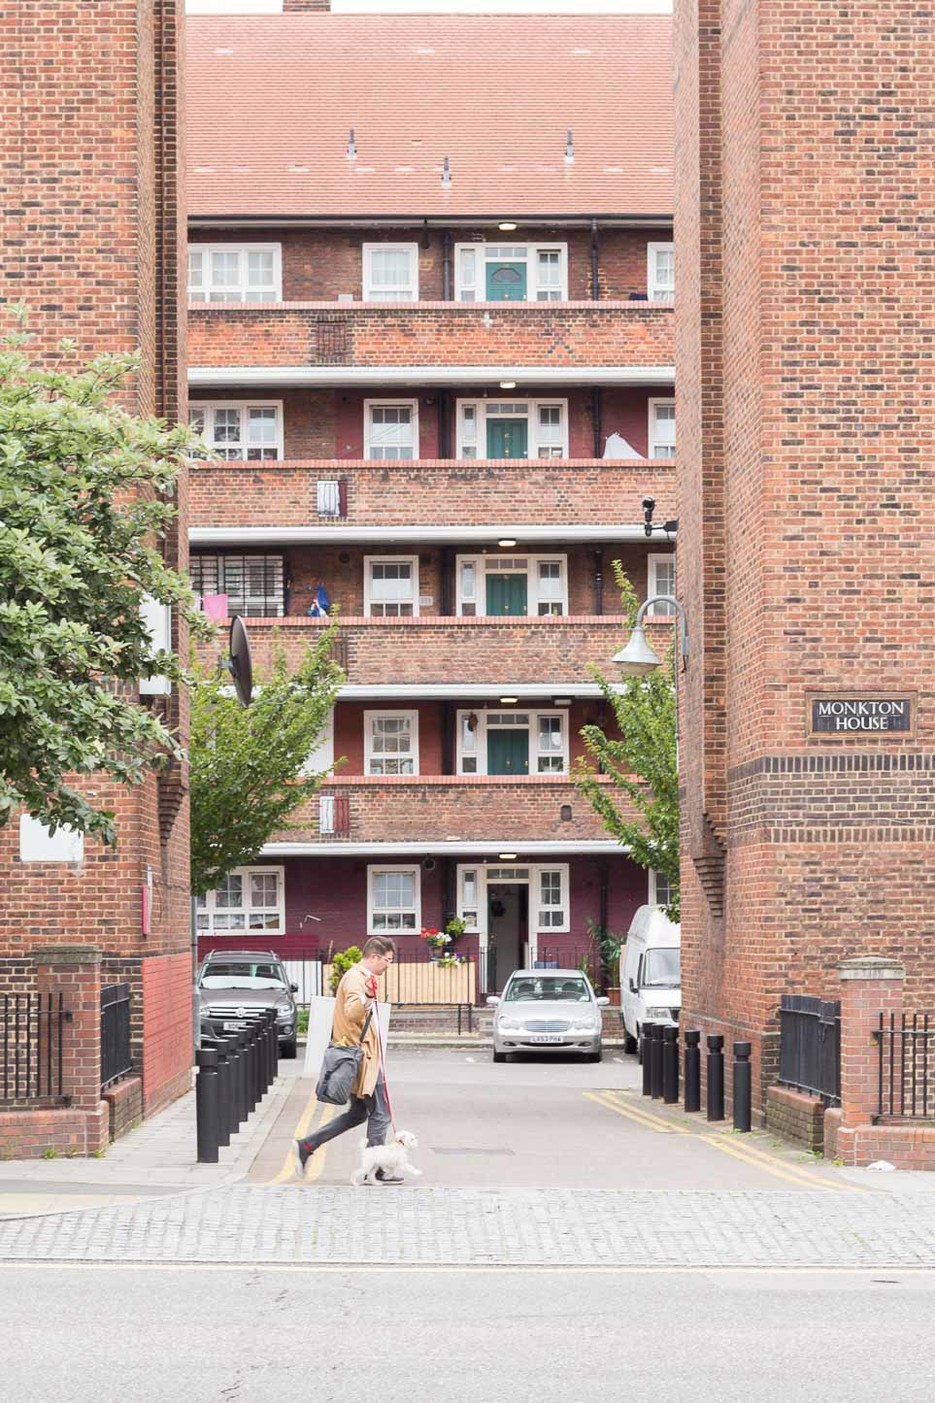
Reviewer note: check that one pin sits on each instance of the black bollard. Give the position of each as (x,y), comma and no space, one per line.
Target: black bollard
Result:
(692,1070)
(742,1086)
(224,1091)
(272,1043)
(670,1066)
(253,1050)
(715,1076)
(206,1105)
(655,1061)
(239,1082)
(275,1052)
(646,1033)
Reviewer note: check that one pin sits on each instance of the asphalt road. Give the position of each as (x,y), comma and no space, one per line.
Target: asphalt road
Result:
(227,1335)
(543,1122)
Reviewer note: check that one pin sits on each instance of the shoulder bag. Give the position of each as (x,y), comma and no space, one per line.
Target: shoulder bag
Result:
(339,1068)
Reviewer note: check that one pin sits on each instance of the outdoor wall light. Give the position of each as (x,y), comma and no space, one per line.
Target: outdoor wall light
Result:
(507,857)
(561,701)
(507,226)
(508,384)
(508,701)
(639,657)
(507,543)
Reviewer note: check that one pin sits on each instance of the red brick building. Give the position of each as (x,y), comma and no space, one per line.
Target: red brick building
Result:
(89,115)
(803,207)
(431,337)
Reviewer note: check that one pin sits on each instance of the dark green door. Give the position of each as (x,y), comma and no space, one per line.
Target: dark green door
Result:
(506,282)
(507,438)
(506,594)
(508,752)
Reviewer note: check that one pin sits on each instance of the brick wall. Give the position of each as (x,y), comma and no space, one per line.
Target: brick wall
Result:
(167,1052)
(432,333)
(320,264)
(432,493)
(804,401)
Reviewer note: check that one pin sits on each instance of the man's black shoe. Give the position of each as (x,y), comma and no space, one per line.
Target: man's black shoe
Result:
(301,1154)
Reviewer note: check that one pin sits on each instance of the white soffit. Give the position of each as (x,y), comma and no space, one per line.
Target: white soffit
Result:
(454,847)
(488,535)
(526,376)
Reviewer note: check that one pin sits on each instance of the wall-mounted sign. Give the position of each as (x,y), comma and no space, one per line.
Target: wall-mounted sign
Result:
(855,715)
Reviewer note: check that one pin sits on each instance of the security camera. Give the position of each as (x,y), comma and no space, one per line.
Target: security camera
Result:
(648,504)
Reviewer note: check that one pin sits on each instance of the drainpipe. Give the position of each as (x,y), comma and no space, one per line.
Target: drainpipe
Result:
(446,266)
(446,591)
(448,738)
(598,582)
(444,423)
(603,896)
(597,403)
(595,280)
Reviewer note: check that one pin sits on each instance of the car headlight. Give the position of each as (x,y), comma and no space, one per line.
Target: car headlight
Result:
(586,1025)
(283,1006)
(510,1025)
(657,1013)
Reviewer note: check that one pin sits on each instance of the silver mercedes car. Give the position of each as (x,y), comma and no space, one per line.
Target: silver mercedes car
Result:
(553,1010)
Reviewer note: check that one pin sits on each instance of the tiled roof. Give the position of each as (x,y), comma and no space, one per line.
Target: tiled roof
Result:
(271,99)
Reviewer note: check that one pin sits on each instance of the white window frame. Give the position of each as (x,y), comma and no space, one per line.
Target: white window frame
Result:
(209,408)
(656,291)
(532,250)
(488,564)
(278,565)
(532,731)
(562,868)
(653,438)
(209,905)
(369,754)
(654,878)
(465,908)
(531,406)
(242,286)
(529,876)
(384,403)
(367,251)
(667,558)
(369,562)
(413,870)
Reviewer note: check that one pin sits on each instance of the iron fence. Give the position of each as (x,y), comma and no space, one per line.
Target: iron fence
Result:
(116,1059)
(32,1048)
(810,1046)
(906,1066)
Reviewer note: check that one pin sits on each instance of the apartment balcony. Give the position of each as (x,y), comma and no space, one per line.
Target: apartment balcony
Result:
(446,809)
(430,343)
(233,503)
(445,654)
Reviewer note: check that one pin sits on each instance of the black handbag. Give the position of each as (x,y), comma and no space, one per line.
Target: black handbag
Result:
(339,1068)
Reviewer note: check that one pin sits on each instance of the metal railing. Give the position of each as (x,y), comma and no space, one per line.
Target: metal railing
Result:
(31,1048)
(906,1066)
(116,1059)
(810,1046)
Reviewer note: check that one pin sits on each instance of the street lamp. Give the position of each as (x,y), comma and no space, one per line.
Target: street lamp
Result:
(639,657)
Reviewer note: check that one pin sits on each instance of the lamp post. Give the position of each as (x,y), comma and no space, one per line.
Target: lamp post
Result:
(639,657)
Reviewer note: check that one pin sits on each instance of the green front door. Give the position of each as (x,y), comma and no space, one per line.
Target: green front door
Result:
(508,752)
(507,438)
(506,594)
(506,282)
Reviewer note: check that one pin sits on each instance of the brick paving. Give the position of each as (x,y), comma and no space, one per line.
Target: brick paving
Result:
(549,1227)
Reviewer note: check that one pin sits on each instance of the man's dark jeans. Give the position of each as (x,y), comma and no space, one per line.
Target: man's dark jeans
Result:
(373,1109)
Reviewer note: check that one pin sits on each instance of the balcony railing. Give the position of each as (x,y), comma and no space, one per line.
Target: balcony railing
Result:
(436,492)
(553,334)
(464,808)
(443,650)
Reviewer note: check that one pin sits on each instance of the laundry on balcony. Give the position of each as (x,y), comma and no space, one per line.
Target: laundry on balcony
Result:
(618,447)
(215,606)
(321,604)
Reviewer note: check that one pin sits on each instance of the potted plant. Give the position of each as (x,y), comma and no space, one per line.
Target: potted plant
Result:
(609,944)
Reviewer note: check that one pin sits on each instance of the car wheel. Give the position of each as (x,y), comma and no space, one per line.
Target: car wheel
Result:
(629,1042)
(596,1056)
(499,1056)
(288,1050)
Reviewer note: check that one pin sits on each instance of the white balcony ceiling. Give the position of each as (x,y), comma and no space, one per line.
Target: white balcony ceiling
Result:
(453,847)
(341,376)
(524,535)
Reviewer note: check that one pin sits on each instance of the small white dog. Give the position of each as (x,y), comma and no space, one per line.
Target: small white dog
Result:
(391,1158)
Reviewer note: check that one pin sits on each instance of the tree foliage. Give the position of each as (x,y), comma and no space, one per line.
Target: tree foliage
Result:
(85,497)
(643,764)
(247,762)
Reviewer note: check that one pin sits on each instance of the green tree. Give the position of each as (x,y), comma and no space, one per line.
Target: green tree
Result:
(85,497)
(246,763)
(642,763)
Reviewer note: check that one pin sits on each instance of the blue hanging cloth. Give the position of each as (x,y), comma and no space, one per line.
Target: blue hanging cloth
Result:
(320,605)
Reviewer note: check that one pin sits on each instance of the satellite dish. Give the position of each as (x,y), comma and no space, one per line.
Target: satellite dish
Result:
(241,663)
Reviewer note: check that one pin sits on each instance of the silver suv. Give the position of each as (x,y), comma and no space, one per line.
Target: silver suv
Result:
(233,984)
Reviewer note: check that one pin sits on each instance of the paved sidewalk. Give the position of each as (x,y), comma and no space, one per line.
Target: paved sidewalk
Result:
(159,1157)
(444,1227)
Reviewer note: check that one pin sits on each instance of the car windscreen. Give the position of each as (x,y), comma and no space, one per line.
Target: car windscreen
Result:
(573,989)
(662,969)
(242,977)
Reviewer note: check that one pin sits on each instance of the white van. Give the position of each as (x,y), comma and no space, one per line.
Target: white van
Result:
(650,973)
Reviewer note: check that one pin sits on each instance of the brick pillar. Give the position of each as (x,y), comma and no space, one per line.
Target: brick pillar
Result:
(75,972)
(870,985)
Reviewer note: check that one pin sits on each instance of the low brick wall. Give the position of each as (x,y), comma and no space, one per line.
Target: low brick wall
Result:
(794,1115)
(905,1144)
(125,1100)
(69,1131)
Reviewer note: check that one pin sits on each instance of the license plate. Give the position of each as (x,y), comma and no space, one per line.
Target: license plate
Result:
(231,1027)
(544,1038)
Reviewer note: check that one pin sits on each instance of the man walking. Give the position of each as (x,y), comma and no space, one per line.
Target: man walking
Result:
(355,997)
